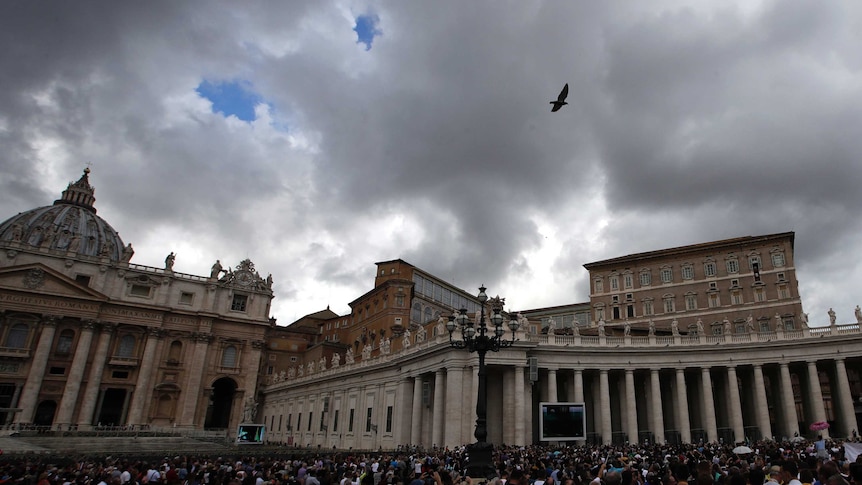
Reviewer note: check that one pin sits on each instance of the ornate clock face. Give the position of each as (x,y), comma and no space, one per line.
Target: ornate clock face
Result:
(243,278)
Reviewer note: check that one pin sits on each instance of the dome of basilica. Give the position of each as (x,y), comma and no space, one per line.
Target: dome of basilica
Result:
(69,225)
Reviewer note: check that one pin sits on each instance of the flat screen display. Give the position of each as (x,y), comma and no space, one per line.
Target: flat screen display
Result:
(250,434)
(562,421)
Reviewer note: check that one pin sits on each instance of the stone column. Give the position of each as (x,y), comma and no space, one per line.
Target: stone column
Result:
(30,393)
(94,381)
(605,400)
(552,385)
(791,422)
(657,414)
(416,428)
(631,407)
(196,364)
(76,374)
(734,404)
(762,406)
(437,420)
(683,423)
(815,394)
(402,435)
(452,419)
(578,385)
(521,415)
(709,405)
(140,406)
(844,399)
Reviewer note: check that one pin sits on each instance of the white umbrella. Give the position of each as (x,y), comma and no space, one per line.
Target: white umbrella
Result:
(742,450)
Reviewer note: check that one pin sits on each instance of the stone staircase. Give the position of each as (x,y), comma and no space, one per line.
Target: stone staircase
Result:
(111,445)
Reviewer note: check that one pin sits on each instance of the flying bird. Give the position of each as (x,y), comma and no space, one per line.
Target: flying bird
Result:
(561,99)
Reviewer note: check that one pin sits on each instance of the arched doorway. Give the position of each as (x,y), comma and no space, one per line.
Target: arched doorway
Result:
(221,402)
(45,413)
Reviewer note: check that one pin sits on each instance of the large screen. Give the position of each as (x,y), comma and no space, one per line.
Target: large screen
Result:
(562,421)
(250,434)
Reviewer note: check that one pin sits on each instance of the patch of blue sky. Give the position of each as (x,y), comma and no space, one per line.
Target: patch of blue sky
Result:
(231,98)
(366,29)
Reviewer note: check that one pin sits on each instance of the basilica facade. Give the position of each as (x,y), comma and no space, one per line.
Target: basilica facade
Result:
(88,338)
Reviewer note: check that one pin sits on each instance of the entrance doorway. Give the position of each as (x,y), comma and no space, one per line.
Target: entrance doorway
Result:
(45,413)
(113,402)
(221,403)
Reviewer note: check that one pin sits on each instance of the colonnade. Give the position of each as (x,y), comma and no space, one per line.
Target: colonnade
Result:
(728,402)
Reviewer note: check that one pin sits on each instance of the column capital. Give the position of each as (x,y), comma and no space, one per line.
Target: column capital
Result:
(258,344)
(50,320)
(107,327)
(155,332)
(202,337)
(705,368)
(90,324)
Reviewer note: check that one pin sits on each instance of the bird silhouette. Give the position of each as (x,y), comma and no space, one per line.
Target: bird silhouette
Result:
(561,99)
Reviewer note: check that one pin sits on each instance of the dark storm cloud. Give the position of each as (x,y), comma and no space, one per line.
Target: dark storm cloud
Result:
(684,125)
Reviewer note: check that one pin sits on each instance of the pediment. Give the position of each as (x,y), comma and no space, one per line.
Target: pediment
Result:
(40,279)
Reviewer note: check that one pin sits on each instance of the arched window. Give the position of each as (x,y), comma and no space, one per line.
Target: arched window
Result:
(17,338)
(127,346)
(429,315)
(228,357)
(417,313)
(64,342)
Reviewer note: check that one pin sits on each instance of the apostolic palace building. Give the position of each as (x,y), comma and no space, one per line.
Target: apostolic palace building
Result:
(702,342)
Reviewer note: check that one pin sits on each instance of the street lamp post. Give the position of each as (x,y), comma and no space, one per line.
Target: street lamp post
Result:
(481,338)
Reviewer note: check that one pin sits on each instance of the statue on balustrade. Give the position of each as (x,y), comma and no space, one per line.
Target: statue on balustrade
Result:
(803,317)
(674,327)
(576,329)
(348,356)
(552,326)
(421,334)
(602,327)
(651,328)
(322,364)
(250,410)
(336,361)
(779,325)
(749,323)
(366,352)
(627,330)
(700,330)
(831,313)
(727,328)
(385,347)
(405,341)
(858,314)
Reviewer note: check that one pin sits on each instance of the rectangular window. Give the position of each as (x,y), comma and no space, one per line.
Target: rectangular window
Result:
(783,292)
(630,296)
(615,283)
(759,295)
(140,290)
(310,419)
(322,423)
(629,281)
(350,421)
(646,279)
(615,298)
(687,272)
(599,286)
(753,261)
(335,421)
(239,302)
(368,420)
(709,269)
(713,285)
(691,302)
(289,419)
(736,298)
(716,330)
(120,374)
(669,306)
(299,422)
(666,275)
(186,298)
(648,309)
(734,283)
(83,279)
(630,311)
(732,266)
(777,260)
(57,371)
(388,419)
(714,301)
(764,326)
(280,416)
(780,276)
(616,313)
(269,370)
(789,323)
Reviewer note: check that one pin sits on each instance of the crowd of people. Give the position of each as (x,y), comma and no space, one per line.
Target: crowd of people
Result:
(768,463)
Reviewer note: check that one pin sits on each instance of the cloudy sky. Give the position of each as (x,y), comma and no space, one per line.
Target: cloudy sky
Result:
(317,138)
